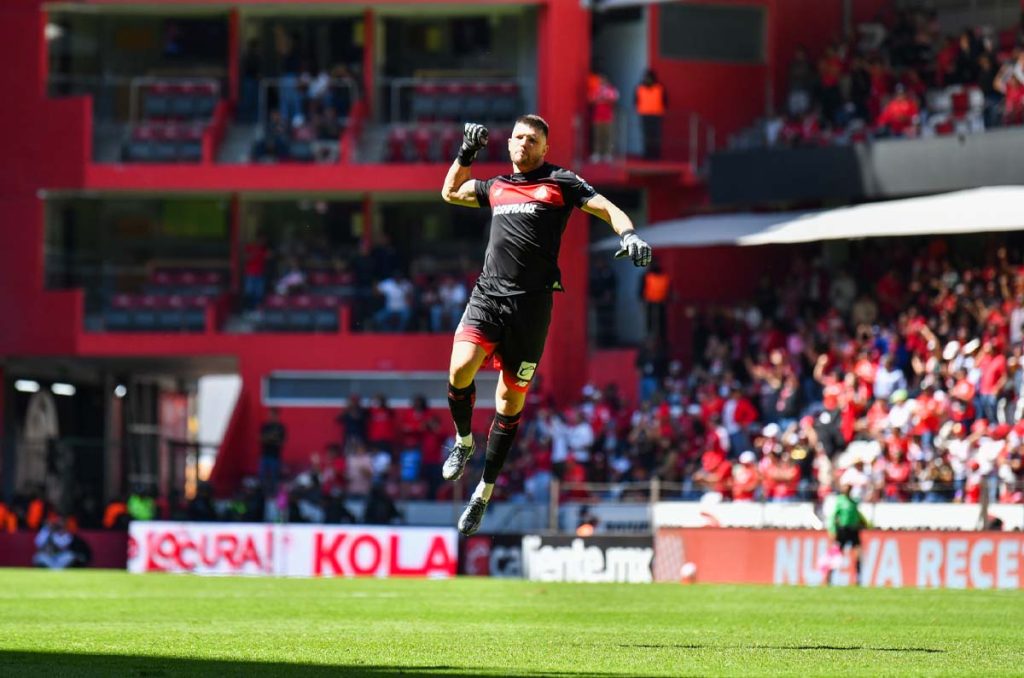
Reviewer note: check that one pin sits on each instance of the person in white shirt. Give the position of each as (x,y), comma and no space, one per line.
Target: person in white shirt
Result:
(857,479)
(572,437)
(451,302)
(397,311)
(53,546)
(889,378)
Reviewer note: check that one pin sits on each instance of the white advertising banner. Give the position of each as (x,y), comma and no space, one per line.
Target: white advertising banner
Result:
(292,550)
(593,560)
(883,516)
(734,514)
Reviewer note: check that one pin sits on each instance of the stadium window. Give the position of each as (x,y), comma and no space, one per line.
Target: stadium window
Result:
(696,32)
(333,389)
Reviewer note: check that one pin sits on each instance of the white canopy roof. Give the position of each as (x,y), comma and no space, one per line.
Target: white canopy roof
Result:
(979,210)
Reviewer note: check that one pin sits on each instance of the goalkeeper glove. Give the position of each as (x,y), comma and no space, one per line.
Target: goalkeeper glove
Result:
(634,248)
(474,138)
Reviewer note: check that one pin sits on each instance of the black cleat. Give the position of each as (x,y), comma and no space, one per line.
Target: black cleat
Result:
(456,462)
(469,521)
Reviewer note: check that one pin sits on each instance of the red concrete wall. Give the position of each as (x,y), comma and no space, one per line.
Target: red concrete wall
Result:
(44,147)
(109,549)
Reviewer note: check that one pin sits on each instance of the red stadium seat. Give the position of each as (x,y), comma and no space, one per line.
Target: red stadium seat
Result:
(422,139)
(450,140)
(319,278)
(398,137)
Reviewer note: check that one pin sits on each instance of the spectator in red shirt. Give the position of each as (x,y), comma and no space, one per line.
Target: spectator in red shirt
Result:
(745,478)
(381,428)
(901,115)
(737,415)
(422,436)
(254,284)
(786,474)
(896,473)
(993,379)
(715,473)
(574,477)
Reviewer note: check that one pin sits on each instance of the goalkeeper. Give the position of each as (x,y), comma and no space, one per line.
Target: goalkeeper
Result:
(509,309)
(844,525)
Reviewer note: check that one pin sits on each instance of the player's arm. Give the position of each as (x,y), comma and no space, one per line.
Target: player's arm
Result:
(605,210)
(632,245)
(459,188)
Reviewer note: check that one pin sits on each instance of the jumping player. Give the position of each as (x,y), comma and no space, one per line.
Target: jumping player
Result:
(510,307)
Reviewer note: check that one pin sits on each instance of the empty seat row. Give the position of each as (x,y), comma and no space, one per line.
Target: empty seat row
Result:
(301,313)
(179,100)
(152,313)
(454,101)
(331,284)
(165,142)
(187,276)
(187,282)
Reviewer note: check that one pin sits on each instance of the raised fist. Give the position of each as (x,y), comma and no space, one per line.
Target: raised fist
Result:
(474,138)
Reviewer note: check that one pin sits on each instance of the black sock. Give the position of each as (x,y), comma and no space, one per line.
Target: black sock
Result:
(461,402)
(499,442)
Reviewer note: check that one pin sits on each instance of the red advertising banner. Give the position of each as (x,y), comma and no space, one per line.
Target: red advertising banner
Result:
(292,550)
(978,560)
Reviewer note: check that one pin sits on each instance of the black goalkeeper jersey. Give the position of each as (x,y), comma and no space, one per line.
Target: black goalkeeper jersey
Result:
(529,213)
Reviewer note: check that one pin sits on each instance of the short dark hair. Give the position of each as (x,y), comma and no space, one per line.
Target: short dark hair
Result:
(535,121)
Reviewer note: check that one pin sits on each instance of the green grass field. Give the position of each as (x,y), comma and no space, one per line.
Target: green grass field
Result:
(114,624)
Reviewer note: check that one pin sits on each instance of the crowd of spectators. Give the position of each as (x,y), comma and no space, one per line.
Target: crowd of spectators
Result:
(900,76)
(306,105)
(900,376)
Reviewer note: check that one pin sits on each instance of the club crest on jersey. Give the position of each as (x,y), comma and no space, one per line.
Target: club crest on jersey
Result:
(541,193)
(526,371)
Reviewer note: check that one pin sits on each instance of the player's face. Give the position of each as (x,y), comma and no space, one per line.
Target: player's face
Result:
(527,147)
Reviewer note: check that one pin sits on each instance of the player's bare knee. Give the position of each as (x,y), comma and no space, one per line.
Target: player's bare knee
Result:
(507,401)
(466,360)
(461,376)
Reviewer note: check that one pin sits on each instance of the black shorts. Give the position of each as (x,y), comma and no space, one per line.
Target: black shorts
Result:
(512,329)
(847,536)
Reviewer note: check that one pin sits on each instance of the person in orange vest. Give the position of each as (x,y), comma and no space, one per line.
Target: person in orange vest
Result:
(35,514)
(8,521)
(655,291)
(116,517)
(651,102)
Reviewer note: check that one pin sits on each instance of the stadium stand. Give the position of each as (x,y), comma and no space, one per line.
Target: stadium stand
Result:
(175,116)
(900,78)
(173,300)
